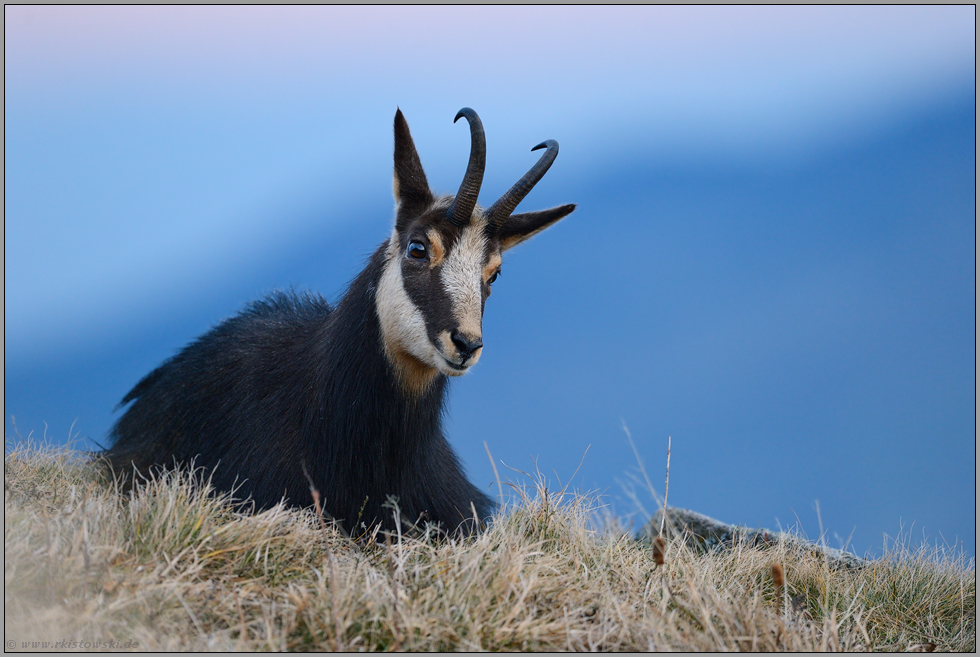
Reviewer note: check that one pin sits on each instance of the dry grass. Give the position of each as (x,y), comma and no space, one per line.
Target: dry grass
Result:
(173,568)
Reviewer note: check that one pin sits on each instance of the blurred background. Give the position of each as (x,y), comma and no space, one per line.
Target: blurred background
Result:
(772,260)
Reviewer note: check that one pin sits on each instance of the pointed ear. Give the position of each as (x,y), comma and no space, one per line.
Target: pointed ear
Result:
(519,227)
(411,187)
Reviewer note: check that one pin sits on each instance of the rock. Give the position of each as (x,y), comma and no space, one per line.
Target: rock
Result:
(709,535)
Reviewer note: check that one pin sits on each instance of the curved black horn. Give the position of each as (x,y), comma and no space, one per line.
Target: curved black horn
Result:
(462,208)
(498,212)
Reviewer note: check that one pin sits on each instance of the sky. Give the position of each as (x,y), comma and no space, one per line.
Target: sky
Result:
(772,261)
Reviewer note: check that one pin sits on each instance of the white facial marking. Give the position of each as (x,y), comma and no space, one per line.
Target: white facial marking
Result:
(462,273)
(402,323)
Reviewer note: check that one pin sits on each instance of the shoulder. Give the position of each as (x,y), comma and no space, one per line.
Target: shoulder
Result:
(291,305)
(278,316)
(253,335)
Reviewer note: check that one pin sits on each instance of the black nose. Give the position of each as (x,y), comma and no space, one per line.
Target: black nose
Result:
(466,346)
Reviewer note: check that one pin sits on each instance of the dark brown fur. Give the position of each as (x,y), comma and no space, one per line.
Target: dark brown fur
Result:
(293,384)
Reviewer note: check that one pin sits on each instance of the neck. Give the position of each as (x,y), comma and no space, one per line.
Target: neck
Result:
(403,388)
(414,377)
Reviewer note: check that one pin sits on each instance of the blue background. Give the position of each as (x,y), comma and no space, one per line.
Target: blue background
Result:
(772,261)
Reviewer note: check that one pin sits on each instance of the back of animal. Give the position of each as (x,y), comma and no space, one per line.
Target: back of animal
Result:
(293,394)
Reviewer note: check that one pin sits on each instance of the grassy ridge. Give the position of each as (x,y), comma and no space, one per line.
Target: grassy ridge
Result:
(173,568)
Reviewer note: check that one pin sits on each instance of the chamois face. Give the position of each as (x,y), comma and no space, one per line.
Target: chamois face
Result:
(440,262)
(436,280)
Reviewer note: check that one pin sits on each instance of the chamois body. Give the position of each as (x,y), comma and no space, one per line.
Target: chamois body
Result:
(293,393)
(291,382)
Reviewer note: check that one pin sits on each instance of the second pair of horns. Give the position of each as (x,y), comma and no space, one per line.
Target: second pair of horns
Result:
(462,208)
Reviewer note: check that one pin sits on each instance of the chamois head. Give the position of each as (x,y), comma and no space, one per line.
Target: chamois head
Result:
(443,257)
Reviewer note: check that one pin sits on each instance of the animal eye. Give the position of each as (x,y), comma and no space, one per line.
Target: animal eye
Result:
(493,277)
(416,250)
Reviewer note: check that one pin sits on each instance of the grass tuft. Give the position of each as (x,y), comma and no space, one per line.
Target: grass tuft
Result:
(174,566)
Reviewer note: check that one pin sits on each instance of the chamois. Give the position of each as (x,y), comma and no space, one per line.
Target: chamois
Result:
(293,393)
